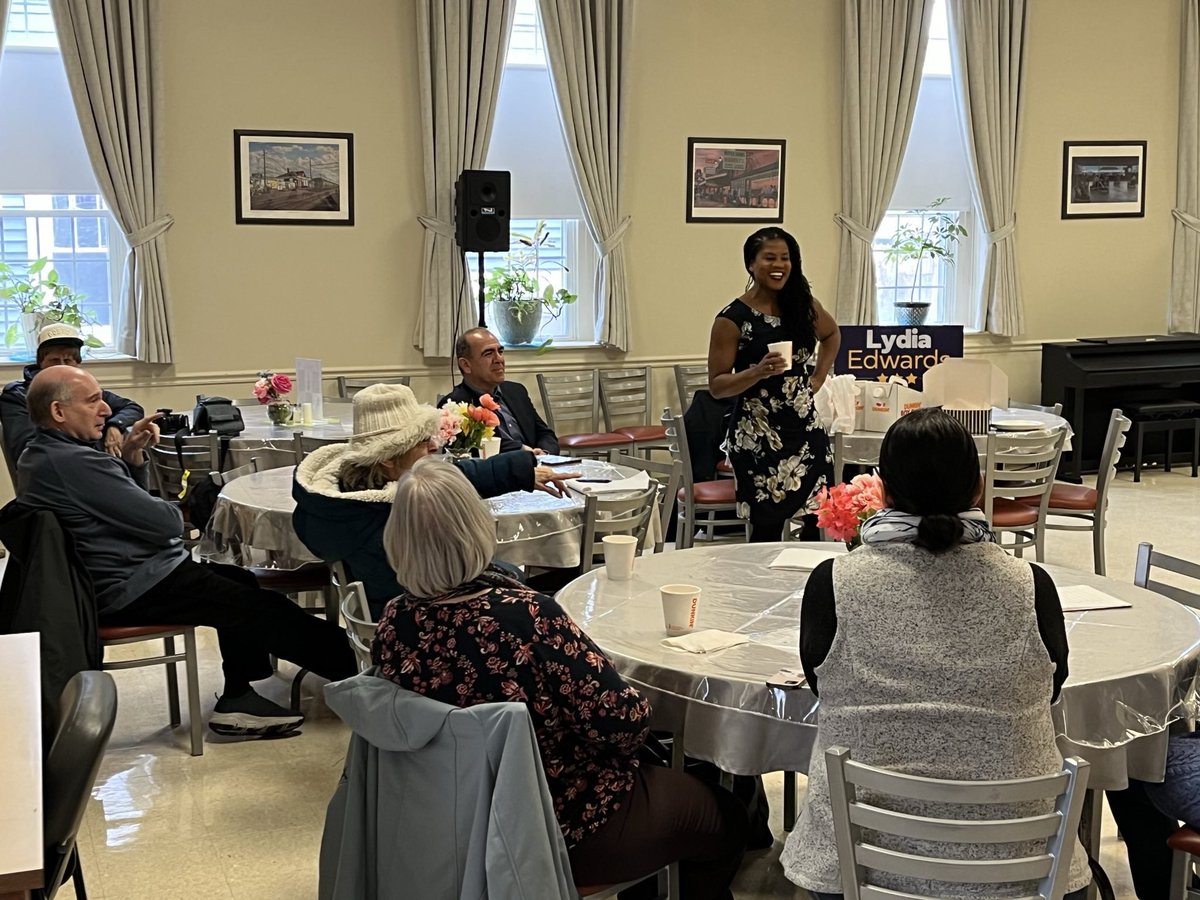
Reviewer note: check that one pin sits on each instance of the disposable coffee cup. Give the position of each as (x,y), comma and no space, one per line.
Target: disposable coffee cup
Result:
(306,410)
(784,349)
(620,550)
(680,603)
(489,447)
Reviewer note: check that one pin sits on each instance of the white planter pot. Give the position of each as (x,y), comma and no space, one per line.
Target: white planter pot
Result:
(31,324)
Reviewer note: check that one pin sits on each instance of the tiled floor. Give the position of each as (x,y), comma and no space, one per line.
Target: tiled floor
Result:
(245,819)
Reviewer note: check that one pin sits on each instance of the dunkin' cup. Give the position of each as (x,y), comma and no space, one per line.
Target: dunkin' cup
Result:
(619,553)
(489,447)
(680,603)
(784,349)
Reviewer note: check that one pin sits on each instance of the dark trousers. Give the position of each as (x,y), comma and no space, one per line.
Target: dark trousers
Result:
(1145,830)
(669,816)
(766,524)
(251,623)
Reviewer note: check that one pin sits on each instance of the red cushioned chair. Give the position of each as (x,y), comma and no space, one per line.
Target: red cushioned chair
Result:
(573,400)
(708,505)
(625,393)
(1020,467)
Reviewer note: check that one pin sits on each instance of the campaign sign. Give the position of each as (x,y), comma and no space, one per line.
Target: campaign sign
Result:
(877,352)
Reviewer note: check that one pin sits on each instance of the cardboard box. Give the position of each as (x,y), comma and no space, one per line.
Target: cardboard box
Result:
(967,389)
(877,405)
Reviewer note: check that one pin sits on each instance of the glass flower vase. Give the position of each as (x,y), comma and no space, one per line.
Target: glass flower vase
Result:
(279,412)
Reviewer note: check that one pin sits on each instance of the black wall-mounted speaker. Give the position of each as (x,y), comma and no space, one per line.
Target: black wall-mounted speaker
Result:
(481,202)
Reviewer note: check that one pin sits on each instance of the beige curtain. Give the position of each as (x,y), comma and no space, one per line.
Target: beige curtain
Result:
(1184,311)
(883,44)
(588,44)
(461,45)
(110,49)
(987,43)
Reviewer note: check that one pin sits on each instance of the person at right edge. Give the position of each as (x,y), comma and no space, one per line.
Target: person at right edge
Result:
(780,454)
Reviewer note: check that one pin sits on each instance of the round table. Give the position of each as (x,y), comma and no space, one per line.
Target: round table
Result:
(273,444)
(1132,671)
(252,522)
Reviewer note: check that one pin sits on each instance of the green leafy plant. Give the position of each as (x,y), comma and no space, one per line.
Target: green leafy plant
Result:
(516,282)
(937,238)
(36,289)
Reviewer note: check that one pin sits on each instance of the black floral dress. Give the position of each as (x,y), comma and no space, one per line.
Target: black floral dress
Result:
(780,453)
(512,644)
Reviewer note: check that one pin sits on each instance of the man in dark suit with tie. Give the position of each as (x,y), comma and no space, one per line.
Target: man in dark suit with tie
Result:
(481,362)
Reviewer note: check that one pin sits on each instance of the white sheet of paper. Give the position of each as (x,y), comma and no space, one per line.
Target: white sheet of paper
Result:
(638,482)
(802,558)
(1080,597)
(308,385)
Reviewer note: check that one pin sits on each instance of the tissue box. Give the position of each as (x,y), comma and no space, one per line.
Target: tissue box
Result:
(967,389)
(878,405)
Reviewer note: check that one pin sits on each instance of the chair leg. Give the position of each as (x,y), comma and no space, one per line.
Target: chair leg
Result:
(789,801)
(1098,542)
(1137,453)
(1170,449)
(296,689)
(1195,446)
(77,877)
(1181,863)
(172,684)
(191,667)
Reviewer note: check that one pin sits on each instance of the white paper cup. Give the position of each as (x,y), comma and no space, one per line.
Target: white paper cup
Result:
(489,447)
(680,603)
(306,410)
(620,550)
(784,349)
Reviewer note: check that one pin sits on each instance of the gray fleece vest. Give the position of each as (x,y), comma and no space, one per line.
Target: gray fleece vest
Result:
(937,669)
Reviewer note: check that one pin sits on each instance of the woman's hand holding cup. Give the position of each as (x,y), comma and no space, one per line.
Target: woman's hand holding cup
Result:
(771,364)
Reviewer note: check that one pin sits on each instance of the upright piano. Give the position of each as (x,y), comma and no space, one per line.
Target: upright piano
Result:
(1092,376)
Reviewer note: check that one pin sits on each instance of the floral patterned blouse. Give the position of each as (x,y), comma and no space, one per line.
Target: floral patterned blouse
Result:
(512,644)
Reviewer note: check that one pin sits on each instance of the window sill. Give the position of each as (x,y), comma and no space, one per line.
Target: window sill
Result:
(557,345)
(23,358)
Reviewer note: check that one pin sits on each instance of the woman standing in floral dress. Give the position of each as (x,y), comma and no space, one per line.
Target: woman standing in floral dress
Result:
(779,451)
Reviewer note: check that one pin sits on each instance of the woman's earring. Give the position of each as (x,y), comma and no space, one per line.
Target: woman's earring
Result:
(749,282)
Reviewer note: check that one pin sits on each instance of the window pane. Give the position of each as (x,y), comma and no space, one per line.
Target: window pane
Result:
(525,46)
(913,275)
(30,24)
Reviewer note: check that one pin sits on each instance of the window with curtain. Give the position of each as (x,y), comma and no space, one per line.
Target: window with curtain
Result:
(934,167)
(50,203)
(527,141)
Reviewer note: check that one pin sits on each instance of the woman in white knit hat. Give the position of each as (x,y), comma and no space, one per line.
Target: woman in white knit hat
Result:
(344,492)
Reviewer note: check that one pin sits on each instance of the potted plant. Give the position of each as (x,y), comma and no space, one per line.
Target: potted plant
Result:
(42,299)
(520,302)
(938,238)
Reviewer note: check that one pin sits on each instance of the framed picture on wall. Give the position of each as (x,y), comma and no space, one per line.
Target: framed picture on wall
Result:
(735,180)
(294,177)
(1104,179)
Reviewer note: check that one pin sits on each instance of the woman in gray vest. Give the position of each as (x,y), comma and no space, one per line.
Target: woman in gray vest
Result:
(934,652)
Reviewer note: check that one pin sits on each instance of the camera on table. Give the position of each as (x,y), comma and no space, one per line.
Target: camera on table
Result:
(170,423)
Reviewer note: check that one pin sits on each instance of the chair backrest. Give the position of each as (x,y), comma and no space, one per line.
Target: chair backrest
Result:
(1021,465)
(858,824)
(1056,409)
(87,713)
(200,453)
(625,394)
(360,629)
(348,387)
(8,460)
(271,454)
(853,450)
(571,401)
(1149,558)
(220,479)
(303,445)
(669,476)
(677,444)
(688,380)
(627,515)
(1110,455)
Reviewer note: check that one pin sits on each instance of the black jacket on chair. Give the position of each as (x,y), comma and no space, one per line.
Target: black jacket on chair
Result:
(513,397)
(46,589)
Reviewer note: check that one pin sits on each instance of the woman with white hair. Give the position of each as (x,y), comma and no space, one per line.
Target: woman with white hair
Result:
(344,492)
(481,637)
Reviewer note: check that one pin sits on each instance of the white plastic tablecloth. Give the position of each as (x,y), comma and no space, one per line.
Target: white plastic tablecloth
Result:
(1132,671)
(274,446)
(252,522)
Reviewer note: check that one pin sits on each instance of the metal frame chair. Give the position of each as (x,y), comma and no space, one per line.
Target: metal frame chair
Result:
(1056,409)
(688,380)
(356,615)
(626,393)
(87,713)
(201,454)
(669,477)
(626,515)
(1020,466)
(858,823)
(348,387)
(303,445)
(1078,501)
(575,397)
(695,498)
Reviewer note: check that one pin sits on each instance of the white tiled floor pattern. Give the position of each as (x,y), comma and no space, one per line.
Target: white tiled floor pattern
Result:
(244,820)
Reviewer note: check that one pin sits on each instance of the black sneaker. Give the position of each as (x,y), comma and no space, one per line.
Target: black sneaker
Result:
(251,714)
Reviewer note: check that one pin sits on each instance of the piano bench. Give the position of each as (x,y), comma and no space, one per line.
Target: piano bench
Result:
(1169,416)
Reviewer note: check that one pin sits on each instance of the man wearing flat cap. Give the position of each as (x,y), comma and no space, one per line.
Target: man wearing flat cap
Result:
(59,345)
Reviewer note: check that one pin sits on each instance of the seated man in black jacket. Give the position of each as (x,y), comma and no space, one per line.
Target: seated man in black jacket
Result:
(130,544)
(481,362)
(59,345)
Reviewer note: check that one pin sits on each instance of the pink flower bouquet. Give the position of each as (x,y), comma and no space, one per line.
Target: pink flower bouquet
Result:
(271,387)
(843,508)
(464,427)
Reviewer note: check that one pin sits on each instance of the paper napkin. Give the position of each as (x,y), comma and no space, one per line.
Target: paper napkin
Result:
(803,558)
(638,482)
(1080,597)
(710,640)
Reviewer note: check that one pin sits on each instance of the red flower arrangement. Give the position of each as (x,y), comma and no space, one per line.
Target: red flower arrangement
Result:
(843,508)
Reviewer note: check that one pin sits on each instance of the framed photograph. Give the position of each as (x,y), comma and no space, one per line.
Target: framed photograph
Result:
(294,177)
(1104,179)
(735,180)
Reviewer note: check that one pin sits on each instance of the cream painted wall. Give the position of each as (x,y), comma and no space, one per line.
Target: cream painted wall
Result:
(245,297)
